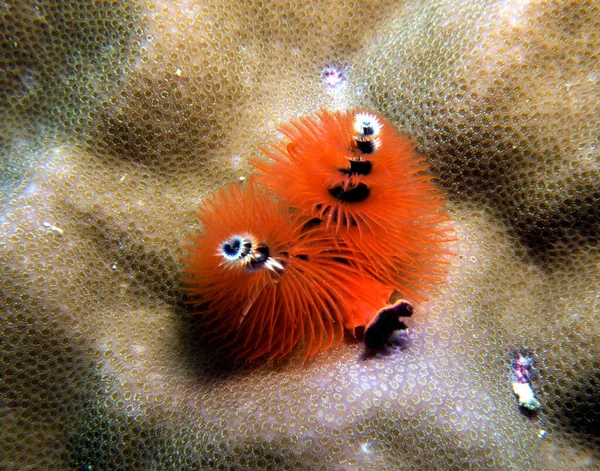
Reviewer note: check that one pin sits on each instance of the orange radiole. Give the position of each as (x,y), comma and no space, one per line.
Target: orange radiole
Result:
(354,171)
(265,279)
(344,214)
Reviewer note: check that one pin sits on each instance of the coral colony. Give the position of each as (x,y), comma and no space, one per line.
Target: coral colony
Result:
(318,240)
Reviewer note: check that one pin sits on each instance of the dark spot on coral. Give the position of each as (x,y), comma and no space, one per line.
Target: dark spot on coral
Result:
(542,221)
(260,256)
(358,167)
(354,194)
(366,146)
(580,410)
(231,248)
(529,413)
(311,223)
(379,333)
(542,229)
(368,130)
(341,260)
(263,251)
(236,248)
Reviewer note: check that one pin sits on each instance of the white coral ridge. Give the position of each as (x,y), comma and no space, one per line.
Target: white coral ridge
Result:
(366,120)
(525,396)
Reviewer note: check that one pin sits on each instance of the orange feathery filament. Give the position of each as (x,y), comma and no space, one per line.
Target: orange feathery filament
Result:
(381,203)
(264,280)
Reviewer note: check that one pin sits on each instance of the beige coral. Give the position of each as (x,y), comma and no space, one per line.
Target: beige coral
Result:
(118,118)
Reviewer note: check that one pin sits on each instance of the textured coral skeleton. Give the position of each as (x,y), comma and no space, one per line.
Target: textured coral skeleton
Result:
(119,118)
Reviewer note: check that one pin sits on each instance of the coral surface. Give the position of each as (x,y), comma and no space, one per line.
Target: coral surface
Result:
(118,117)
